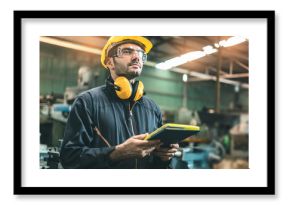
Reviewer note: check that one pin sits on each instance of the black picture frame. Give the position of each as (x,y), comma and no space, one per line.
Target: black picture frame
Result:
(19,189)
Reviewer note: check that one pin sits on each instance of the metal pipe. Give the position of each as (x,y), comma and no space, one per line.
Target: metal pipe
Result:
(184,103)
(231,67)
(218,85)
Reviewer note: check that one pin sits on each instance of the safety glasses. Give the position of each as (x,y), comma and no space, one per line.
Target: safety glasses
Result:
(127,51)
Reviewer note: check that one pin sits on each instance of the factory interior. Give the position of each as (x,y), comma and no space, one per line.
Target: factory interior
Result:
(195,80)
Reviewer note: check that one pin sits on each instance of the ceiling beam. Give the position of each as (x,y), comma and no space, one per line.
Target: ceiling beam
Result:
(237,75)
(70,45)
(242,65)
(209,77)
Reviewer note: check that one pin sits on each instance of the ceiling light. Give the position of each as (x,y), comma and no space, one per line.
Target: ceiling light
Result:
(171,63)
(216,45)
(207,50)
(184,77)
(222,43)
(232,41)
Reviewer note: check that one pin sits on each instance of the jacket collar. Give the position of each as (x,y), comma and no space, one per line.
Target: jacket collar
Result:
(110,87)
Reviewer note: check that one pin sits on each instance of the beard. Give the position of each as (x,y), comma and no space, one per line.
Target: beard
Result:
(129,73)
(133,74)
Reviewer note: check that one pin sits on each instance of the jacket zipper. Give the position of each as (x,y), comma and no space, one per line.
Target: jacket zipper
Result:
(132,127)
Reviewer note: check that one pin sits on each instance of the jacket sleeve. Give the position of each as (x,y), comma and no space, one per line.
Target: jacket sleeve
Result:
(77,150)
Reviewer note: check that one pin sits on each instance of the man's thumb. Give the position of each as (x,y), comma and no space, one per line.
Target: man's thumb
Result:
(140,137)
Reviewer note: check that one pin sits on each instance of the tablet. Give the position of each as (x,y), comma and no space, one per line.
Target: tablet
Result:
(171,133)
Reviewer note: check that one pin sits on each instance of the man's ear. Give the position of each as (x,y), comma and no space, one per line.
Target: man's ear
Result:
(110,64)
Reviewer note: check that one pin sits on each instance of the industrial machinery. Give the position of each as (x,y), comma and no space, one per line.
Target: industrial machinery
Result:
(54,111)
(49,157)
(199,155)
(86,79)
(223,135)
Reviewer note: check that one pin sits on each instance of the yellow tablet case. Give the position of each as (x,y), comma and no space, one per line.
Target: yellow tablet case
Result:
(171,133)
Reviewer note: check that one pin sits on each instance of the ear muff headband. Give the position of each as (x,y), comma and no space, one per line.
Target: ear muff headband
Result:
(125,90)
(134,90)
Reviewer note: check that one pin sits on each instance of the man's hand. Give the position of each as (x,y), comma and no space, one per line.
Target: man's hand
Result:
(133,147)
(166,153)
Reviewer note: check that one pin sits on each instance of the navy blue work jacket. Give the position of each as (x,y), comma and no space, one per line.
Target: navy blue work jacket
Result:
(100,107)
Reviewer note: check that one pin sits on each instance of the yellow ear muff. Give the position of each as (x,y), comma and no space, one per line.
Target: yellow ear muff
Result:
(125,90)
(139,91)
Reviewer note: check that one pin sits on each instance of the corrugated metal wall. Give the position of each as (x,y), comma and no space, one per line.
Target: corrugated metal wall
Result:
(165,87)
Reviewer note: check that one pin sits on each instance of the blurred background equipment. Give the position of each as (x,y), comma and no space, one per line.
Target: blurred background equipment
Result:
(54,111)
(239,145)
(85,81)
(198,156)
(184,116)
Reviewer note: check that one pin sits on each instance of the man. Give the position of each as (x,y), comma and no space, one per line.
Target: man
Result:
(107,125)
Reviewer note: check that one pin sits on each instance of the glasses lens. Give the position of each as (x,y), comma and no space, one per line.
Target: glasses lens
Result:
(129,52)
(143,56)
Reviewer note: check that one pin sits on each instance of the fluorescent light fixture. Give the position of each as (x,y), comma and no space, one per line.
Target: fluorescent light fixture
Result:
(171,63)
(232,41)
(193,55)
(216,45)
(207,50)
(222,43)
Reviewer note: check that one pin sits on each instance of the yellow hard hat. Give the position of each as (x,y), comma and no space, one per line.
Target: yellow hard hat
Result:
(115,40)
